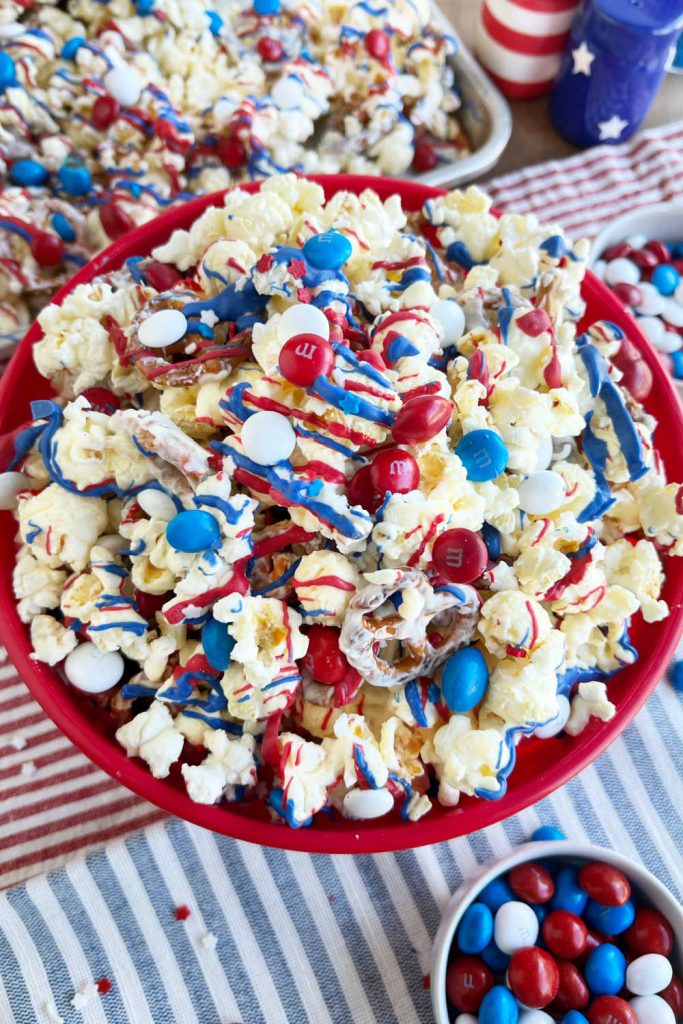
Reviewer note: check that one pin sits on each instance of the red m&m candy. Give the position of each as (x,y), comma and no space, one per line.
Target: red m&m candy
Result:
(394,470)
(673,995)
(565,934)
(323,659)
(421,419)
(231,152)
(150,604)
(533,977)
(611,1010)
(105,111)
(102,400)
(361,491)
(605,884)
(531,883)
(305,357)
(424,157)
(46,249)
(468,979)
(659,250)
(377,43)
(270,50)
(573,993)
(649,933)
(115,221)
(161,276)
(459,555)
(643,258)
(637,378)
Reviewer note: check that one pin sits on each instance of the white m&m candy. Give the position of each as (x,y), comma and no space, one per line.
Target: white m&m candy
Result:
(156,504)
(535,1017)
(673,312)
(123,83)
(10,486)
(544,454)
(648,974)
(91,670)
(652,1010)
(451,317)
(541,492)
(556,724)
(302,319)
(669,342)
(653,327)
(651,302)
(622,271)
(162,328)
(268,438)
(515,927)
(368,803)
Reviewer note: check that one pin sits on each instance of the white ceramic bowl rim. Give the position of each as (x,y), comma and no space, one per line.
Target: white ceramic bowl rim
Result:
(643,881)
(659,220)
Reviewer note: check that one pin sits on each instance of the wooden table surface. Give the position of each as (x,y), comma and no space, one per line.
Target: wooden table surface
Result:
(533,137)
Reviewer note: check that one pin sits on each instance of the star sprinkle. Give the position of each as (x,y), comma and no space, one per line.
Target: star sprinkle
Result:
(17,741)
(103,986)
(28,768)
(85,996)
(208,941)
(583,58)
(208,317)
(182,913)
(613,128)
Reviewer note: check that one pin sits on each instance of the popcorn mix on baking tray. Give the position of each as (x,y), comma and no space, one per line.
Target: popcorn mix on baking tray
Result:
(334,506)
(113,110)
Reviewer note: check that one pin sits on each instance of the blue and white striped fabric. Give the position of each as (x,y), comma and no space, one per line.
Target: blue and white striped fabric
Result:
(299,938)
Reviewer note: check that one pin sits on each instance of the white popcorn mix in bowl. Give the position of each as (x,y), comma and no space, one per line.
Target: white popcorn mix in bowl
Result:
(114,110)
(348,528)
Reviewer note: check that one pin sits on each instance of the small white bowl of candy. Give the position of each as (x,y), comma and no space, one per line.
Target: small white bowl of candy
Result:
(560,932)
(640,257)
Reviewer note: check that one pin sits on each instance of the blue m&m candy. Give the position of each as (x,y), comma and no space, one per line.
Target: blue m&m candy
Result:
(465,679)
(605,970)
(144,6)
(194,530)
(71,47)
(217,644)
(7,73)
(610,920)
(327,251)
(676,670)
(677,364)
(496,893)
(666,279)
(266,6)
(547,833)
(63,228)
(74,178)
(499,1006)
(574,1017)
(483,454)
(475,930)
(568,893)
(495,958)
(28,173)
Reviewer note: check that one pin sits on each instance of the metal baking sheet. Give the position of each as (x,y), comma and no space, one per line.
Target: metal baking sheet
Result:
(484,115)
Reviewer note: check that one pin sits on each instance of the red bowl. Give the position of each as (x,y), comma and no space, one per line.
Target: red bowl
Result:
(542,766)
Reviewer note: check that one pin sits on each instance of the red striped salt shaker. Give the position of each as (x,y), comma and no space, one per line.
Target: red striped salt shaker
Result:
(520,43)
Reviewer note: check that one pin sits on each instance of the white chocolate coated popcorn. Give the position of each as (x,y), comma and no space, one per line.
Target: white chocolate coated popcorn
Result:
(292,618)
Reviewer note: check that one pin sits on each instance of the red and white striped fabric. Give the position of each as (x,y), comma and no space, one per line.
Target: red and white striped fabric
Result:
(53,801)
(520,42)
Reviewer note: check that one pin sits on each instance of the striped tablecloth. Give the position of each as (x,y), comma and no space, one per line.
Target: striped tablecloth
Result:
(278,936)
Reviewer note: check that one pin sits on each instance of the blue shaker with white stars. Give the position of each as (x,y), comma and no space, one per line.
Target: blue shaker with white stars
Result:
(612,68)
